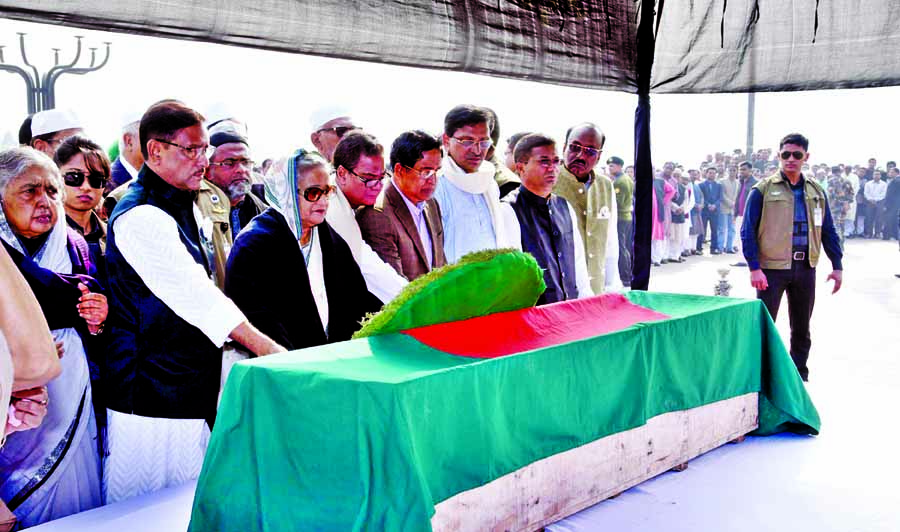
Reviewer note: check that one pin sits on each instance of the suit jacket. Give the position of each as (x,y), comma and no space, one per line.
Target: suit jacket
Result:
(118,176)
(266,278)
(388,227)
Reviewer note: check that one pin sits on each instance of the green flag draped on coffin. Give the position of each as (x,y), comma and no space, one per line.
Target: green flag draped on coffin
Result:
(372,433)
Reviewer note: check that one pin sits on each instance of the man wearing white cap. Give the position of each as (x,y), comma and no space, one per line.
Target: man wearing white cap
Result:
(225,196)
(50,128)
(328,125)
(128,163)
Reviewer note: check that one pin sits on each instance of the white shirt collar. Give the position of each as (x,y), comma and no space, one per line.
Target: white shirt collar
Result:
(130,169)
(414,208)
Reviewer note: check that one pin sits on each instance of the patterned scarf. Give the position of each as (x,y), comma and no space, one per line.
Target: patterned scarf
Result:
(281,189)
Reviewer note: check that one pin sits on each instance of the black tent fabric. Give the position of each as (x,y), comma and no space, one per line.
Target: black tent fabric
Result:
(701,45)
(580,43)
(776,45)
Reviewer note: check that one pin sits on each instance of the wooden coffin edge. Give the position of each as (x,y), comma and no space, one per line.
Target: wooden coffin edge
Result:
(558,486)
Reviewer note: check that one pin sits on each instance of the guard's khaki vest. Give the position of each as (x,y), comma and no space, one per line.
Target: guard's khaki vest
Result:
(776,224)
(215,205)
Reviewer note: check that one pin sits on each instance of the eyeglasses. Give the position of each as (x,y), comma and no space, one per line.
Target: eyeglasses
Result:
(483,145)
(340,131)
(424,175)
(370,181)
(588,151)
(75,178)
(232,163)
(192,152)
(546,162)
(313,194)
(785,155)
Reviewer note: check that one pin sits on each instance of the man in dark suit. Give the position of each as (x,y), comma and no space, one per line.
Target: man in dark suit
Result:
(126,166)
(404,226)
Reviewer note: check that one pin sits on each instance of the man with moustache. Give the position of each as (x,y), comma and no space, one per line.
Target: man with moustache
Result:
(547,221)
(404,225)
(329,125)
(164,355)
(51,127)
(787,222)
(474,218)
(358,161)
(225,197)
(593,198)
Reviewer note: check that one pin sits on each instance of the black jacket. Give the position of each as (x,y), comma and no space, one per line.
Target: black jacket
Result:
(266,278)
(158,364)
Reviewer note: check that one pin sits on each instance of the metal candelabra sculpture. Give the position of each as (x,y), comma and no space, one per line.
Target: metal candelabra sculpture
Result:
(41,90)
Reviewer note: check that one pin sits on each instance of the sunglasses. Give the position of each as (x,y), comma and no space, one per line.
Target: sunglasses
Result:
(313,194)
(785,155)
(340,131)
(370,181)
(576,148)
(75,178)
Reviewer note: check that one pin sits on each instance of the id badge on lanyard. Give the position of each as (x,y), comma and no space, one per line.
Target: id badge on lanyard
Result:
(817,216)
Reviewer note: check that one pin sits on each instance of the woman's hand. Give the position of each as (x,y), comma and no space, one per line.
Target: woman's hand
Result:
(93,308)
(27,409)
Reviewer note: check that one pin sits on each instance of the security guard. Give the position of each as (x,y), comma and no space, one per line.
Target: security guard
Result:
(786,223)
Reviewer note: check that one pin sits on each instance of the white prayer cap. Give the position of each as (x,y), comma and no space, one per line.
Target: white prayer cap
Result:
(325,114)
(218,112)
(54,120)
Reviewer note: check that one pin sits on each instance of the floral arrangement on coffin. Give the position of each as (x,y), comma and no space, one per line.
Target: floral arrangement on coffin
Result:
(480,283)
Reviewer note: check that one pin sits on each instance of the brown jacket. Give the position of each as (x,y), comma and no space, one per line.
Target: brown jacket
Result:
(388,227)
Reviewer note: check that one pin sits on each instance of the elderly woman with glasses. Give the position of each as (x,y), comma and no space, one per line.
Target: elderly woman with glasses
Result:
(85,170)
(289,272)
(53,470)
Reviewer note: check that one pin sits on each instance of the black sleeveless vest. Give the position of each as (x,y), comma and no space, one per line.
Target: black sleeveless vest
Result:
(547,233)
(157,364)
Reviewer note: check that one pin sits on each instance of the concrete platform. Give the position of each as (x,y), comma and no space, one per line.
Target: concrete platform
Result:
(843,480)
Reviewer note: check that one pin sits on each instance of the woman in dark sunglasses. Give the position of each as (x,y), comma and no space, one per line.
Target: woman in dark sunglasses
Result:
(85,170)
(289,272)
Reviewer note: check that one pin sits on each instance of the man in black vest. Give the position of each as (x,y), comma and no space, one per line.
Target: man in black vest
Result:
(547,221)
(165,342)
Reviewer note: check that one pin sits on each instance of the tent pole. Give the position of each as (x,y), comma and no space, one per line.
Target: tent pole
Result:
(643,207)
(643,163)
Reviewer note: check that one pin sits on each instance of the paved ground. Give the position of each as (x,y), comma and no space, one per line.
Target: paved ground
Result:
(843,480)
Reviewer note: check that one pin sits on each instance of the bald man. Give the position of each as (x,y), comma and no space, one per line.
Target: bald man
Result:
(592,196)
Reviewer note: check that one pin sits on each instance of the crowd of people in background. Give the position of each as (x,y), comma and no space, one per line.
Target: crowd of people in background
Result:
(705,204)
(149,266)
